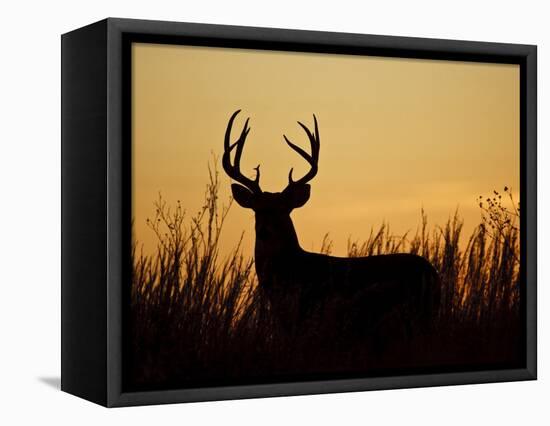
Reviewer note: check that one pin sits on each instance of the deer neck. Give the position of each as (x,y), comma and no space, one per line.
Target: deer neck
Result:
(275,251)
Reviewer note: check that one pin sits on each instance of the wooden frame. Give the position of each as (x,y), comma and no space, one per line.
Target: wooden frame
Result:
(95,197)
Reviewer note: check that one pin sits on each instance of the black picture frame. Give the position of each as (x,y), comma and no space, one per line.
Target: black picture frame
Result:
(96,198)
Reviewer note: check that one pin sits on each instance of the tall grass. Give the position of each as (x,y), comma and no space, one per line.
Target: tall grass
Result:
(197,319)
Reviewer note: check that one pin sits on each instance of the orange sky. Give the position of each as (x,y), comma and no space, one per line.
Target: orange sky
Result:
(396,135)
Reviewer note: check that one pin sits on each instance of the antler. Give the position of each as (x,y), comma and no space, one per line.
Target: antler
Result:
(312,159)
(234,170)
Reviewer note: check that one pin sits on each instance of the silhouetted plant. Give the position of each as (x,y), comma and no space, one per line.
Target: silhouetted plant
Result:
(184,299)
(499,220)
(198,319)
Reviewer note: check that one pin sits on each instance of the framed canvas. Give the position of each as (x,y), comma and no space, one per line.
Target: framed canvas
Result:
(252,212)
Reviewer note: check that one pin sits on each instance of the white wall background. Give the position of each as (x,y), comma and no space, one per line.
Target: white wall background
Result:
(30,211)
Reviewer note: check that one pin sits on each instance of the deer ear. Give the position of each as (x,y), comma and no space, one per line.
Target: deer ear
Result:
(297,195)
(242,196)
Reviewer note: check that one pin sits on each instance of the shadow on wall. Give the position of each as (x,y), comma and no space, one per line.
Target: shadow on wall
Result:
(54,382)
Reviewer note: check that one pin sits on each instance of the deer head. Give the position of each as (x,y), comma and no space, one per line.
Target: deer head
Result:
(274,229)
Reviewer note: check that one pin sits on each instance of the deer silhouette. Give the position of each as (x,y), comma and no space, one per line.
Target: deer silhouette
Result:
(301,287)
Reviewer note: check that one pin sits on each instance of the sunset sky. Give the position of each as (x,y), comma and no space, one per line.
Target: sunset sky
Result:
(396,135)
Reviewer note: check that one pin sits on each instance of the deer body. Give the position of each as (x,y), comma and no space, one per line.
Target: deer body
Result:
(305,288)
(299,284)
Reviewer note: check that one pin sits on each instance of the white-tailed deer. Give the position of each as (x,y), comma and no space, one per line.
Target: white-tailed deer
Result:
(302,287)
